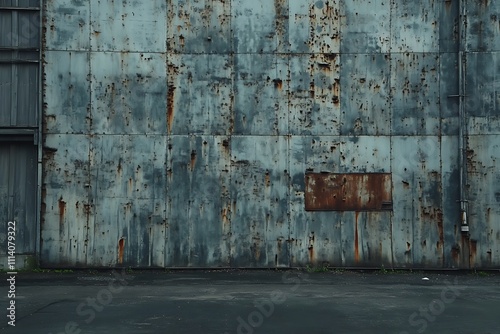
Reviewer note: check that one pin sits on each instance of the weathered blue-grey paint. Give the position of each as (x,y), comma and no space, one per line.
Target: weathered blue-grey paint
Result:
(19,128)
(177,133)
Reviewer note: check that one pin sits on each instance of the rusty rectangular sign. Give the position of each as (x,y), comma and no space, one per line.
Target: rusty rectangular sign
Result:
(348,192)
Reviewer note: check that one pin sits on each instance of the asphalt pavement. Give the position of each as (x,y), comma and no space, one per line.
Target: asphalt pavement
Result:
(248,302)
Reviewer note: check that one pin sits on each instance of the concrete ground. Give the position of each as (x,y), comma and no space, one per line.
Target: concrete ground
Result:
(252,302)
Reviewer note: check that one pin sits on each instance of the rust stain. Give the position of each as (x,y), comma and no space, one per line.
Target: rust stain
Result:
(225,214)
(311,90)
(170,107)
(87,208)
(121,246)
(226,147)
(62,210)
(193,160)
(356,240)
(336,91)
(256,249)
(439,216)
(324,66)
(310,249)
(278,84)
(268,179)
(473,252)
(130,185)
(447,4)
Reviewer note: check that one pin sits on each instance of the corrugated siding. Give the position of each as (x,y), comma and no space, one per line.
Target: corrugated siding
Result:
(18,166)
(19,121)
(19,44)
(183,131)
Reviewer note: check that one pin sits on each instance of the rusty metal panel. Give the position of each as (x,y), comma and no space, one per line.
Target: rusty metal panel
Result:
(226,105)
(128,93)
(315,236)
(366,26)
(128,188)
(67,106)
(66,25)
(348,192)
(365,97)
(415,94)
(415,26)
(314,27)
(314,94)
(418,239)
(483,21)
(199,207)
(199,99)
(67,212)
(483,155)
(253,24)
(199,26)
(482,97)
(261,86)
(259,194)
(128,26)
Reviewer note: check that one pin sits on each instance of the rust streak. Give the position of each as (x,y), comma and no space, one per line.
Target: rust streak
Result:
(62,210)
(473,252)
(336,91)
(440,227)
(224,214)
(170,107)
(121,246)
(311,253)
(278,84)
(268,179)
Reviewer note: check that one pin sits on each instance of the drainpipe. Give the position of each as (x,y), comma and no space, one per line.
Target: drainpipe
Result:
(39,140)
(462,118)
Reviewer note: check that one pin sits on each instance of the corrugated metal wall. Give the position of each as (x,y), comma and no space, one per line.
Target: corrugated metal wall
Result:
(19,126)
(178,133)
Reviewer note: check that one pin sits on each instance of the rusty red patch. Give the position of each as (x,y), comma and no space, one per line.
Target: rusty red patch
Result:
(348,192)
